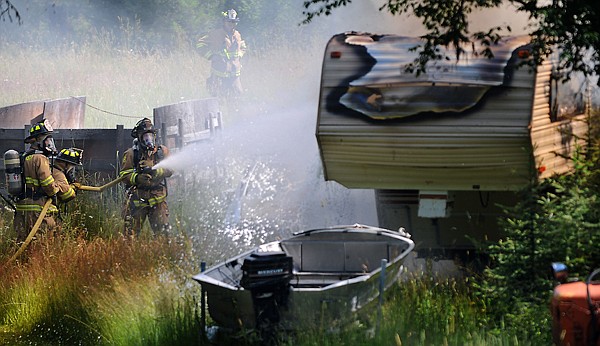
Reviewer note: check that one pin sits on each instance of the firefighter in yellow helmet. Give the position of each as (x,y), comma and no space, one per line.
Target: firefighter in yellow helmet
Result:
(146,186)
(39,184)
(224,48)
(64,172)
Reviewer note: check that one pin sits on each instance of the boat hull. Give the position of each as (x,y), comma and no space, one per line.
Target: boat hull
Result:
(336,272)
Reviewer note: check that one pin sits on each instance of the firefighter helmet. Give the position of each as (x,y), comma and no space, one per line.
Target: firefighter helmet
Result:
(230,16)
(145,133)
(142,126)
(71,155)
(38,129)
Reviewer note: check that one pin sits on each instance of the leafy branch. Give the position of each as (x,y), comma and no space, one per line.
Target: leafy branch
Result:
(8,10)
(569,28)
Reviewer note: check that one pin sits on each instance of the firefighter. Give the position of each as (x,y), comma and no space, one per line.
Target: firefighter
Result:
(224,48)
(146,186)
(64,172)
(39,184)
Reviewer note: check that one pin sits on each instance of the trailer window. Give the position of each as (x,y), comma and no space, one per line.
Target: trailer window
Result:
(567,98)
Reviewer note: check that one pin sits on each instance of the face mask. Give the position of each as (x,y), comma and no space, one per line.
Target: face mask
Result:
(48,146)
(148,140)
(70,175)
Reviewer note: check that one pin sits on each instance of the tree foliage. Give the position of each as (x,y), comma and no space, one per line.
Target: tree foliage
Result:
(557,219)
(569,27)
(8,10)
(149,24)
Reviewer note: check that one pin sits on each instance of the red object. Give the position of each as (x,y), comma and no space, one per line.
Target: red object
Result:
(335,54)
(523,53)
(571,315)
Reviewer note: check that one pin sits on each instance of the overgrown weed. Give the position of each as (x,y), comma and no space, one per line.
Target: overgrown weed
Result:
(65,289)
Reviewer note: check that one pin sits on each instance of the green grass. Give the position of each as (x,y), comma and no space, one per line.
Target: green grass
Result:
(138,292)
(120,291)
(422,310)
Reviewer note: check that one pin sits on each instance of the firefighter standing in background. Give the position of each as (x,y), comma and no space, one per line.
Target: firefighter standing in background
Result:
(146,186)
(224,48)
(39,184)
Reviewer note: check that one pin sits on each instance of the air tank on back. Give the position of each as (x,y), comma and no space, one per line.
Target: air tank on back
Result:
(12,168)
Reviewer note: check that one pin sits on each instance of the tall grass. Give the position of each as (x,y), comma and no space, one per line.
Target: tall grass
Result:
(123,291)
(121,85)
(420,310)
(120,291)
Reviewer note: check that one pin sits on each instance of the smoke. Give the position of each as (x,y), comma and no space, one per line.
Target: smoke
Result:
(267,164)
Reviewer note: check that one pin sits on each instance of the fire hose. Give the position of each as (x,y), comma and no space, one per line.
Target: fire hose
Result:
(37,224)
(40,218)
(99,188)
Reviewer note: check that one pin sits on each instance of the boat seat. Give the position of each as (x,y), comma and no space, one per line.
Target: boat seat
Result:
(365,256)
(336,257)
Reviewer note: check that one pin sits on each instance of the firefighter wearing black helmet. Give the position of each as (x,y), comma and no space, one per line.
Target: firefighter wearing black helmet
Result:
(146,186)
(39,184)
(224,47)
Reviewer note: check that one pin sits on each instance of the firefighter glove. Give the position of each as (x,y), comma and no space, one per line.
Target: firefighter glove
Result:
(143,179)
(145,168)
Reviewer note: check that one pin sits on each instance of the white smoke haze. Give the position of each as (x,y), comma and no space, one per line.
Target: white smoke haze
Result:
(267,164)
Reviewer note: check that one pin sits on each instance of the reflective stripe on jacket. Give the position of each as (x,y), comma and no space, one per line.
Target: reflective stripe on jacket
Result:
(34,207)
(65,190)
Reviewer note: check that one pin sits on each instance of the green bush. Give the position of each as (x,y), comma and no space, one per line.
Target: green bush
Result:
(556,219)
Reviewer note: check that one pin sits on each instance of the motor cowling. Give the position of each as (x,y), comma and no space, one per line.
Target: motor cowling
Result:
(12,169)
(267,276)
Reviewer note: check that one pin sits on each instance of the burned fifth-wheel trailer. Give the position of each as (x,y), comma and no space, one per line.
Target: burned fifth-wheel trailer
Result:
(445,149)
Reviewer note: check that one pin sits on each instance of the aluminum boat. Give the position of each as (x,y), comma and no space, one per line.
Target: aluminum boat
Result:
(315,277)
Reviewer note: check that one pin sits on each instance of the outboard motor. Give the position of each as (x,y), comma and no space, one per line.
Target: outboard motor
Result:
(267,276)
(12,169)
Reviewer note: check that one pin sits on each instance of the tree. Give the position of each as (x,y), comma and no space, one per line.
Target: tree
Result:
(8,10)
(557,219)
(569,27)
